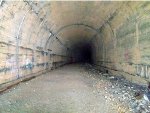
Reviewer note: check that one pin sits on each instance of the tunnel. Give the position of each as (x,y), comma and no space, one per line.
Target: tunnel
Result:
(38,37)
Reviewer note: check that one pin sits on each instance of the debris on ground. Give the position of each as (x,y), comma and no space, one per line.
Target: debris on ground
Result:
(136,98)
(77,89)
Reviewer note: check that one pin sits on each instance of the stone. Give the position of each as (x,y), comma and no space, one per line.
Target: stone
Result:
(147,96)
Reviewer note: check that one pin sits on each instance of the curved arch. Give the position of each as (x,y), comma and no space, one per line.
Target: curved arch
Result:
(76,24)
(37,15)
(72,25)
(17,41)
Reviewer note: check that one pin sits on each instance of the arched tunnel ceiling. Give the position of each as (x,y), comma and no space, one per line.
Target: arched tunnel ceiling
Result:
(114,34)
(74,22)
(56,25)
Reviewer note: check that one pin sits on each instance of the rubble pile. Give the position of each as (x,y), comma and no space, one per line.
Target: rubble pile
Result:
(134,96)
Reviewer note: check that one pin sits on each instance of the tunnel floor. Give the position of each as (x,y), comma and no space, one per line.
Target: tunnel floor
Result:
(75,88)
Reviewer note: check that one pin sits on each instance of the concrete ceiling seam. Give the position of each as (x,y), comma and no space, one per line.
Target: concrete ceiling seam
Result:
(17,42)
(60,42)
(76,24)
(71,25)
(107,21)
(43,19)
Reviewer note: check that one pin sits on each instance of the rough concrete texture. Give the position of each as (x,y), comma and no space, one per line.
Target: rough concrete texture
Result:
(70,89)
(39,35)
(23,36)
(124,40)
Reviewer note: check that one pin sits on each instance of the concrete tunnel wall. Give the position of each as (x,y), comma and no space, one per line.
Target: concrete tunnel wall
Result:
(38,36)
(123,46)
(23,40)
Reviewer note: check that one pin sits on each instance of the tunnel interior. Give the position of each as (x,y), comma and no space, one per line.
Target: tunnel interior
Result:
(39,36)
(82,52)
(85,54)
